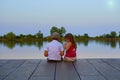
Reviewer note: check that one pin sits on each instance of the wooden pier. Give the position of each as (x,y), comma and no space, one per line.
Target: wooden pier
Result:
(82,69)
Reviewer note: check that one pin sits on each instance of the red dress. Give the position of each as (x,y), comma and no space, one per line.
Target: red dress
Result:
(71,52)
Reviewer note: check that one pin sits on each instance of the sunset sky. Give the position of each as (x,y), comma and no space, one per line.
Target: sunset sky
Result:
(94,17)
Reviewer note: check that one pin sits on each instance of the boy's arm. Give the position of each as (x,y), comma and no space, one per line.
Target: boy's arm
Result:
(62,50)
(62,53)
(46,53)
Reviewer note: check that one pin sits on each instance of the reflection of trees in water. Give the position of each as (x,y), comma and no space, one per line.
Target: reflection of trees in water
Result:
(85,42)
(119,44)
(12,44)
(111,43)
(39,44)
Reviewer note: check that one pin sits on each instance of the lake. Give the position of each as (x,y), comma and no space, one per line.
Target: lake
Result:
(35,50)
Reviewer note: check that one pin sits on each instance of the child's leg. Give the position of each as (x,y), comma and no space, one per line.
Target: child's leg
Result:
(69,59)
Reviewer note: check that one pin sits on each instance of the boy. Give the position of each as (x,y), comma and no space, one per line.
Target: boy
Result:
(54,50)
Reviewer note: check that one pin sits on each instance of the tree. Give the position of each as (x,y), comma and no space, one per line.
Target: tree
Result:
(30,37)
(86,35)
(107,35)
(54,29)
(10,36)
(61,30)
(22,36)
(119,34)
(113,34)
(39,35)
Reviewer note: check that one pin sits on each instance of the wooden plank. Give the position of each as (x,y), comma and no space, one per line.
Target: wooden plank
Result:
(3,62)
(106,70)
(45,71)
(24,71)
(66,71)
(113,62)
(87,71)
(82,69)
(8,66)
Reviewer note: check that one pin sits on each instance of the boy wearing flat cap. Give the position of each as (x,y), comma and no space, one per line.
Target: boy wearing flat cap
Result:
(54,49)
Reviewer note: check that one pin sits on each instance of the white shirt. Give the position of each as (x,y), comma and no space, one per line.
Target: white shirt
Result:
(54,48)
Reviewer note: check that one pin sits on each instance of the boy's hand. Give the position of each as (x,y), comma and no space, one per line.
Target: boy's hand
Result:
(46,53)
(62,53)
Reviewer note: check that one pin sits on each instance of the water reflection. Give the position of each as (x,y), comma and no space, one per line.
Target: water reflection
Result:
(84,42)
(112,44)
(119,44)
(39,44)
(12,44)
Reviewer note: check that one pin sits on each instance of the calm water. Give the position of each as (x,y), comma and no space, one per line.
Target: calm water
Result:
(87,49)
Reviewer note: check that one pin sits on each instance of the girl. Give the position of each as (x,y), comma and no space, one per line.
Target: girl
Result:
(70,47)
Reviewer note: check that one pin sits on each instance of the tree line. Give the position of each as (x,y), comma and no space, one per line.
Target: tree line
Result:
(10,36)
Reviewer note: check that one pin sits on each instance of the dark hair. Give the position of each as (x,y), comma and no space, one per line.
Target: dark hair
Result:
(71,38)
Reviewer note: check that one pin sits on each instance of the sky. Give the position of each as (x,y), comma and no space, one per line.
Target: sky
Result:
(94,17)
